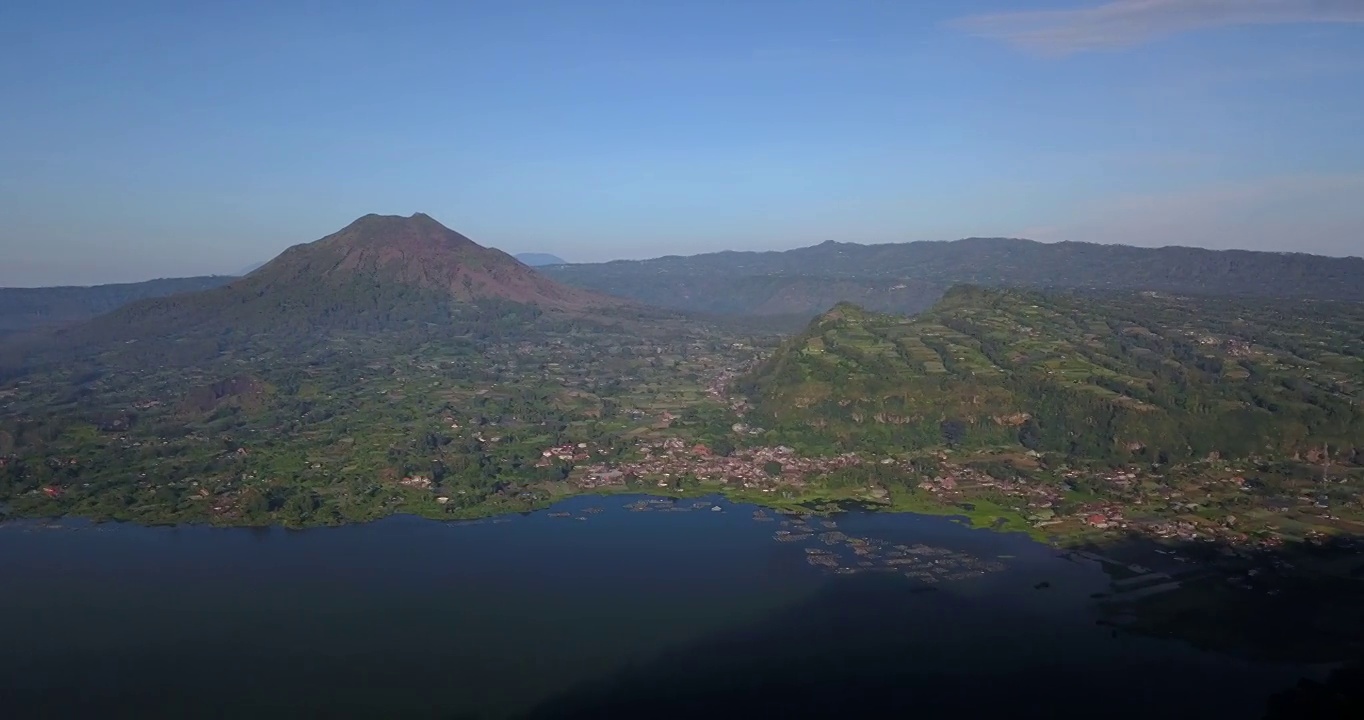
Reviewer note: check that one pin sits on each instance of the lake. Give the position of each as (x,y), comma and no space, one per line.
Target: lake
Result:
(620,606)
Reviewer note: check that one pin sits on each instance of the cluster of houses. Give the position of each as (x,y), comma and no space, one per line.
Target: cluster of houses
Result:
(764,468)
(574,453)
(1189,531)
(718,389)
(1235,347)
(956,479)
(1042,501)
(1102,515)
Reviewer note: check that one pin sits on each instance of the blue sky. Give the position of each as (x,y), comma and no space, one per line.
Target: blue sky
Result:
(144,139)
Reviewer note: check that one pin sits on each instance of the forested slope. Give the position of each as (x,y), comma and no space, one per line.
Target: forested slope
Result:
(1129,377)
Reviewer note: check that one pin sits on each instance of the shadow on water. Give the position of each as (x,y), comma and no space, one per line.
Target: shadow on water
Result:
(725,621)
(1302,603)
(858,655)
(1340,696)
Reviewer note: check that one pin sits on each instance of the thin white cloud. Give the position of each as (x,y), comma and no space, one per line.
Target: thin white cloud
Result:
(1125,23)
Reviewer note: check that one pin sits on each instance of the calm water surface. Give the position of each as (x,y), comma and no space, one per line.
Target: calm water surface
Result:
(618,613)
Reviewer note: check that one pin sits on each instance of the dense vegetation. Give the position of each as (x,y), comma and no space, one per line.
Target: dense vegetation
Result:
(1128,378)
(398,366)
(349,425)
(907,277)
(29,308)
(394,365)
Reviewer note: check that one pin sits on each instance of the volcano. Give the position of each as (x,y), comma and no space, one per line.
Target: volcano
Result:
(417,252)
(381,272)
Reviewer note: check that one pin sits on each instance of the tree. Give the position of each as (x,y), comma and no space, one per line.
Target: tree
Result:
(953,432)
(1030,435)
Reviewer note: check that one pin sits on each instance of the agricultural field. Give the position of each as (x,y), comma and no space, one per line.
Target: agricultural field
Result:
(353,429)
(1064,416)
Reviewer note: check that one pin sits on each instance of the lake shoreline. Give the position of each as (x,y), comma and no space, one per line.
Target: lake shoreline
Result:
(603,590)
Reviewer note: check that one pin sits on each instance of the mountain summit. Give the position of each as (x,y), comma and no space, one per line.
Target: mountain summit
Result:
(419,252)
(379,273)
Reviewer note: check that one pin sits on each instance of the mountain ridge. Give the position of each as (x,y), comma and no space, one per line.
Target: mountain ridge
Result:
(885,277)
(908,277)
(23,309)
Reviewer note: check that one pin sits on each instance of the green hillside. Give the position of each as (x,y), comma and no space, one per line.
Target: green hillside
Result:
(1135,377)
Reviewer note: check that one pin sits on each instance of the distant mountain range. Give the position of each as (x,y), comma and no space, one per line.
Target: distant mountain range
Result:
(540,259)
(29,308)
(901,278)
(908,277)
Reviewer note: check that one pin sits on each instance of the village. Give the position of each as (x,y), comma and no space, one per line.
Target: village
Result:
(665,461)
(1132,502)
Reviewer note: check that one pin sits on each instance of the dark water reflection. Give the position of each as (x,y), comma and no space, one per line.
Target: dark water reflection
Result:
(617,614)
